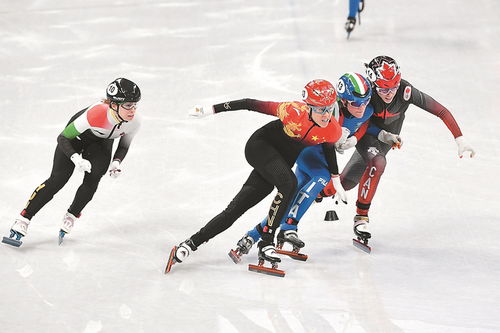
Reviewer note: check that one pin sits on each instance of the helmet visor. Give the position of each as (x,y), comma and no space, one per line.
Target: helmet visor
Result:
(358,103)
(129,105)
(387,91)
(322,109)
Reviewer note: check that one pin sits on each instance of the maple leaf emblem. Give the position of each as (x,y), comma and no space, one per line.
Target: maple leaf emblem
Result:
(387,71)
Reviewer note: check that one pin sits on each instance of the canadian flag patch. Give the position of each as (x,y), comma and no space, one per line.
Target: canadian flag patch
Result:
(407,93)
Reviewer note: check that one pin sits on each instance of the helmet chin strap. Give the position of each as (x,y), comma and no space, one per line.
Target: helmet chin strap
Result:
(117,112)
(310,116)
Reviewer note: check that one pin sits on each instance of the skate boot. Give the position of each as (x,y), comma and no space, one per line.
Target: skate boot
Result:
(349,25)
(179,253)
(362,233)
(18,230)
(68,223)
(242,247)
(267,253)
(291,237)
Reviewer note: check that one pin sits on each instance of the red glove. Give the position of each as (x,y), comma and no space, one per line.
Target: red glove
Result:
(327,191)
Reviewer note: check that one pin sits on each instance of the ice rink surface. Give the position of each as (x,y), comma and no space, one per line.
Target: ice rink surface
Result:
(435,265)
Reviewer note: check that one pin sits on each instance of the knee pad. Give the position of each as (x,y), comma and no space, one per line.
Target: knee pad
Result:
(379,162)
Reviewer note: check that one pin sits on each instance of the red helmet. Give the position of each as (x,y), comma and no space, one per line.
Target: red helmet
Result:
(319,93)
(384,72)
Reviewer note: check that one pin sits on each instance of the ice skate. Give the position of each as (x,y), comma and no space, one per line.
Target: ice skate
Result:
(291,237)
(267,253)
(242,247)
(19,229)
(349,25)
(68,223)
(179,253)
(362,233)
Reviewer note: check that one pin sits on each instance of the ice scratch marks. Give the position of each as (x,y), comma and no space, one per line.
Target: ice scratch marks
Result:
(93,327)
(71,260)
(25,271)
(268,78)
(125,311)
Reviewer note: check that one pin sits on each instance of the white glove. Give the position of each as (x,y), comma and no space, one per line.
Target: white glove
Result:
(199,111)
(464,147)
(343,137)
(340,192)
(81,164)
(391,139)
(114,169)
(348,144)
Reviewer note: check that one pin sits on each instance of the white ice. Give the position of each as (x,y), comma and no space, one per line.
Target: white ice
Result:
(435,265)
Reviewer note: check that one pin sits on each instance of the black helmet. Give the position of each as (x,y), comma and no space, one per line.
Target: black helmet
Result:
(384,72)
(122,91)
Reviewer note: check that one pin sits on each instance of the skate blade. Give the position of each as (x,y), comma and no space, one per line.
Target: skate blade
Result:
(61,236)
(266,270)
(171,260)
(293,255)
(234,256)
(362,246)
(11,241)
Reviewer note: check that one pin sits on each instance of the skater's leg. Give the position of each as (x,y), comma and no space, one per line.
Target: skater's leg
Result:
(256,233)
(353,171)
(253,191)
(369,183)
(375,166)
(353,8)
(99,155)
(278,173)
(62,170)
(312,164)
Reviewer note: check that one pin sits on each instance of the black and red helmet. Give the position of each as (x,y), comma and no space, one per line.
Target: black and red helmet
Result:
(384,72)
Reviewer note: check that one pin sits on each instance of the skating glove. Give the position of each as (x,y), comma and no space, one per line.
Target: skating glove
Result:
(341,194)
(464,147)
(114,169)
(343,137)
(391,139)
(348,144)
(199,111)
(81,164)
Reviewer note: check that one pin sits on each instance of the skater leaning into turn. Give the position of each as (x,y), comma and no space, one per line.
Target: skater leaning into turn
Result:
(86,143)
(272,151)
(392,98)
(354,92)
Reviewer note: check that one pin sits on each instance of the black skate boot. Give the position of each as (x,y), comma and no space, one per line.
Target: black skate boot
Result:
(267,253)
(362,233)
(242,247)
(179,253)
(291,237)
(349,25)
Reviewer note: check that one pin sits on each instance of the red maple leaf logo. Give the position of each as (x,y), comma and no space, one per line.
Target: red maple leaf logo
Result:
(387,71)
